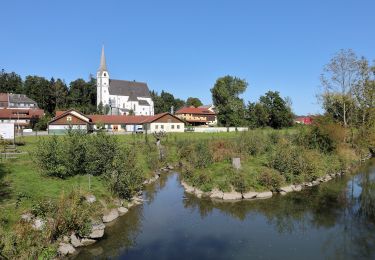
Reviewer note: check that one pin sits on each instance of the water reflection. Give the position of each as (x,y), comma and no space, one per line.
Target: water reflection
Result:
(335,220)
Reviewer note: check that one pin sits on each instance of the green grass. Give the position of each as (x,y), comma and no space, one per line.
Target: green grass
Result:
(25,185)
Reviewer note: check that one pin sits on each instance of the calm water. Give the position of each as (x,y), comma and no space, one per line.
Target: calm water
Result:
(333,221)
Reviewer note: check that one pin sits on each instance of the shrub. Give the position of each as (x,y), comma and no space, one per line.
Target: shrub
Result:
(72,214)
(295,162)
(238,181)
(222,150)
(271,179)
(101,149)
(124,176)
(75,152)
(203,155)
(251,143)
(49,157)
(153,157)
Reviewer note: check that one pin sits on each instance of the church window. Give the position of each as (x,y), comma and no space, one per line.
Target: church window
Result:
(105,74)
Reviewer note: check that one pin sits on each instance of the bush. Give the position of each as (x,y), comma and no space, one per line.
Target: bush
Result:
(153,157)
(50,158)
(75,152)
(203,155)
(271,179)
(124,176)
(72,214)
(251,143)
(101,149)
(238,181)
(294,162)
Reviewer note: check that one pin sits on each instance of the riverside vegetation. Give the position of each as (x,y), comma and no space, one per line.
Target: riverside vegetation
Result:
(51,181)
(270,158)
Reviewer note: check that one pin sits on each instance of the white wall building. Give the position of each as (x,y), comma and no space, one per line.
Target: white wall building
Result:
(122,96)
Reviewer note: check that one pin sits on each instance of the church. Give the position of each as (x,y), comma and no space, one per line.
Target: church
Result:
(122,97)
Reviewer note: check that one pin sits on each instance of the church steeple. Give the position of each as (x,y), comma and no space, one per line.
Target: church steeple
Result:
(103,65)
(102,81)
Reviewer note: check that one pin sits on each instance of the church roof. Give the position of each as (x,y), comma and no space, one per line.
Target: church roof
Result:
(128,88)
(142,102)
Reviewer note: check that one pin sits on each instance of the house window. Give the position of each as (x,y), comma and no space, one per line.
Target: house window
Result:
(172,126)
(162,126)
(178,126)
(156,126)
(69,118)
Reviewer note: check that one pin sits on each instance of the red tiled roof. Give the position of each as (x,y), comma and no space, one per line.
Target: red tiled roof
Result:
(117,119)
(195,110)
(20,113)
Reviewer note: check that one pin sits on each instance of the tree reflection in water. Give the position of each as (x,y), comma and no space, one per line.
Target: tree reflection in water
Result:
(346,205)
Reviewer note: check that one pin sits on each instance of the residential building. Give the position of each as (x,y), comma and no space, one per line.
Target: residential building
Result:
(22,118)
(16,101)
(198,116)
(121,96)
(75,120)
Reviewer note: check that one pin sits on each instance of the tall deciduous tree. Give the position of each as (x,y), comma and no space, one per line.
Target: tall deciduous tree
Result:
(192,101)
(225,96)
(340,75)
(277,109)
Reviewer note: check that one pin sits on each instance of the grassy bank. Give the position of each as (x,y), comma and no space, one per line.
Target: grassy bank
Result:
(51,168)
(270,158)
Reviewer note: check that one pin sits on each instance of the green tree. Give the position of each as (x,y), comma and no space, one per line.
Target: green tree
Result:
(277,109)
(82,95)
(225,96)
(39,89)
(192,101)
(59,92)
(257,115)
(10,82)
(165,101)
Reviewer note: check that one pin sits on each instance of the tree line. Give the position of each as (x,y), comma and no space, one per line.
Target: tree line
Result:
(271,110)
(55,94)
(52,94)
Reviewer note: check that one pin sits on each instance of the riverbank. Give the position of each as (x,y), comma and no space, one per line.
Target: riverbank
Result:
(205,162)
(334,219)
(235,196)
(259,163)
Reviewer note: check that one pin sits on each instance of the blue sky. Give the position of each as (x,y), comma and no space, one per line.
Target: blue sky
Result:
(184,46)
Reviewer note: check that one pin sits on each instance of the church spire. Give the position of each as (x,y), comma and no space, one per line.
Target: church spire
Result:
(103,65)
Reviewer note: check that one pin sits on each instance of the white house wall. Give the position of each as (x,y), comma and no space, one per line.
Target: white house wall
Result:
(167,127)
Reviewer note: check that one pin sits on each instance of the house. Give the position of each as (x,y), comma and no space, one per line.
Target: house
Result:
(122,97)
(16,101)
(305,120)
(198,116)
(72,119)
(22,118)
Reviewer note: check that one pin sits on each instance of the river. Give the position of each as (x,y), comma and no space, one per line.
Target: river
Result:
(335,220)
